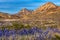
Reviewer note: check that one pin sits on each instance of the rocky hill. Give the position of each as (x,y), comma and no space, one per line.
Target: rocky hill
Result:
(48,12)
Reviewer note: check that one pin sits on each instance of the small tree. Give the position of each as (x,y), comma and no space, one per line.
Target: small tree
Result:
(3,28)
(27,26)
(18,26)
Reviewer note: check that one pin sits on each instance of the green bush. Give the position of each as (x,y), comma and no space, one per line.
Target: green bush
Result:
(56,37)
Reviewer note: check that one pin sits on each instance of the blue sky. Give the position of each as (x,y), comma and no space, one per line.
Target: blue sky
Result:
(14,6)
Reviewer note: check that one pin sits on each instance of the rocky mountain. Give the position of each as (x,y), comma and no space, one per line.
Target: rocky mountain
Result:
(47,12)
(46,7)
(24,11)
(22,14)
(17,15)
(4,15)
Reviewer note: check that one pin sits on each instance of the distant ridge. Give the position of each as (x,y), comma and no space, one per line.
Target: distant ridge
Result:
(45,12)
(25,11)
(43,9)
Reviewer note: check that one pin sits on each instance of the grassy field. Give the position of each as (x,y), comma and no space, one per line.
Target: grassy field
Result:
(23,31)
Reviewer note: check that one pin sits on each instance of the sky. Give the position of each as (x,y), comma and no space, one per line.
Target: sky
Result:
(14,6)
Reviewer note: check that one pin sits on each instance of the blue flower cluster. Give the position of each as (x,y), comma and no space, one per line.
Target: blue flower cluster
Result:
(42,33)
